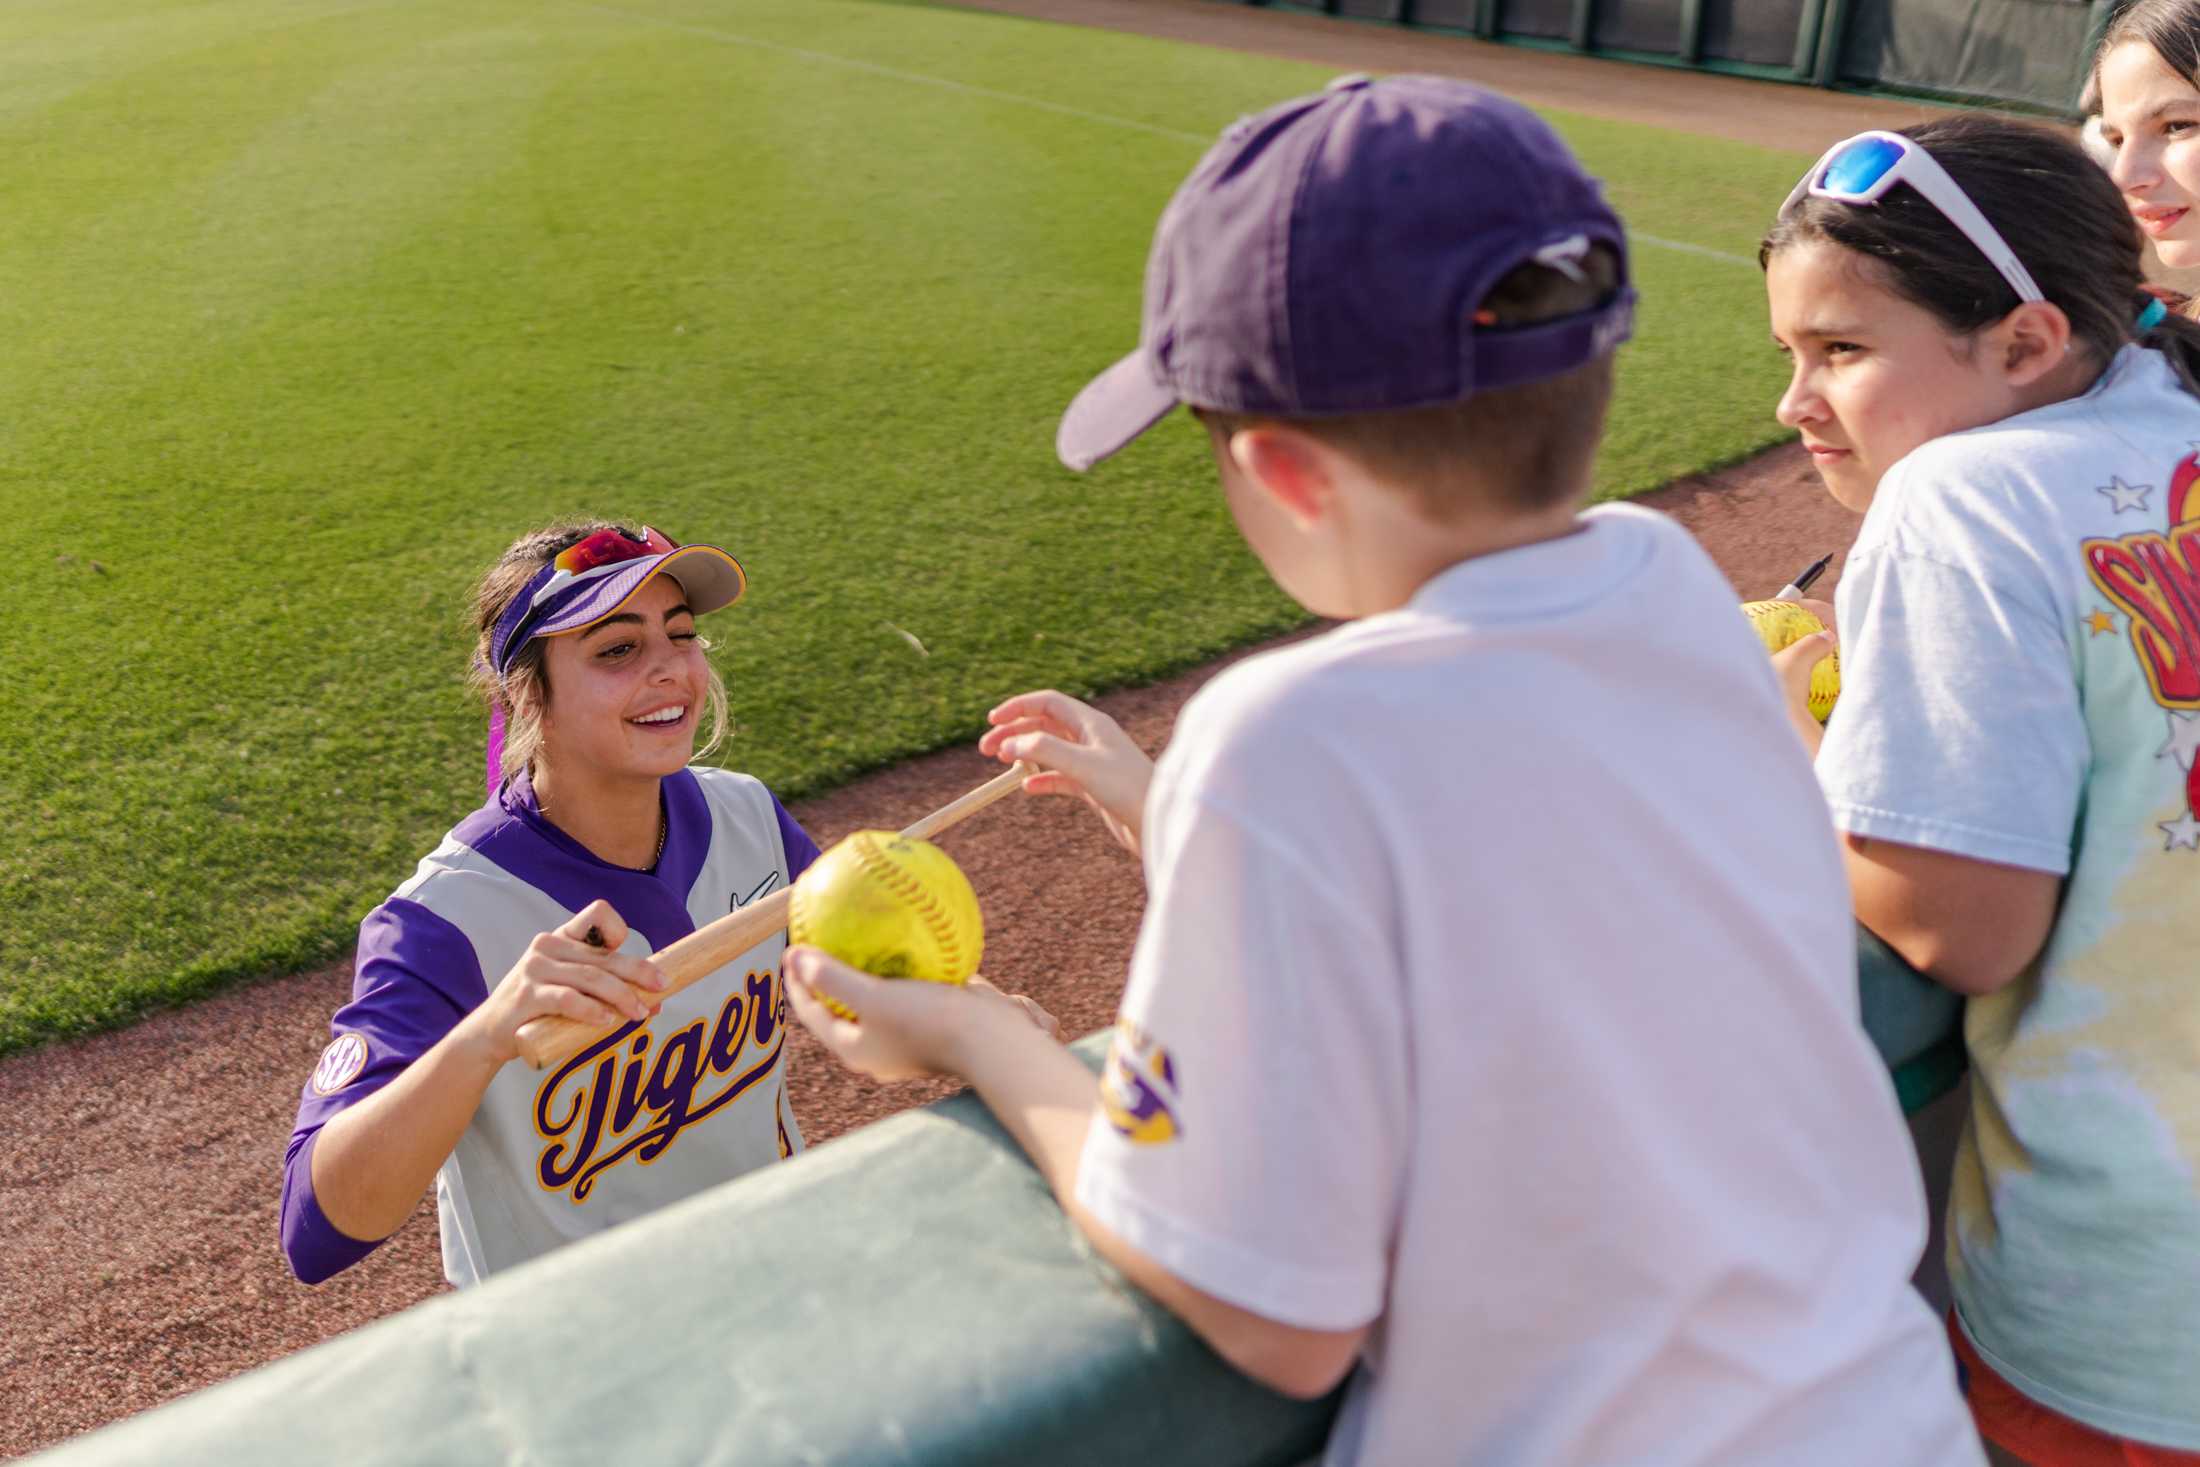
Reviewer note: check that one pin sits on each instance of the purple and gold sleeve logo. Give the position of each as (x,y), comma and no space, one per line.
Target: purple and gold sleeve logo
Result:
(1138,1088)
(340,1064)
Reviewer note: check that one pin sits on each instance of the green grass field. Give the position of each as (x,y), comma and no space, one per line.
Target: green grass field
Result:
(311,305)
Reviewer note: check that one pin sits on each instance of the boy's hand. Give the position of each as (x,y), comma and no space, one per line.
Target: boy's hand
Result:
(903,1029)
(1792,664)
(1079,751)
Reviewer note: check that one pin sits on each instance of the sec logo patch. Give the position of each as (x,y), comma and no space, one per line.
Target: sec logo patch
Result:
(1138,1088)
(340,1064)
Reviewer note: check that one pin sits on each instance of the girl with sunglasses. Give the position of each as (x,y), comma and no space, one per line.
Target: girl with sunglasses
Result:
(1977,370)
(600,842)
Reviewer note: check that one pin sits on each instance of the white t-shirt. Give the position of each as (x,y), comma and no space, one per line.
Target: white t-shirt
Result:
(2020,628)
(1497,985)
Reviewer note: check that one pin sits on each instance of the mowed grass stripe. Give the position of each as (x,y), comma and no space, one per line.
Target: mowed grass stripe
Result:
(1106,119)
(312,306)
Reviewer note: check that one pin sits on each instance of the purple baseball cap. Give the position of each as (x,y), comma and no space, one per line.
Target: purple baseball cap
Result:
(1328,256)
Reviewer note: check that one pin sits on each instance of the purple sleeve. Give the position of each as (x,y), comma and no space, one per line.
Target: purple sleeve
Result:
(414,978)
(801,850)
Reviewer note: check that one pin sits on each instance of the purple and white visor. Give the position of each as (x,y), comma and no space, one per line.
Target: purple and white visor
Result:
(595,578)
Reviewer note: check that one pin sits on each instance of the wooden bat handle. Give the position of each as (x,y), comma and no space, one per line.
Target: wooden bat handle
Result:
(958,810)
(553,1039)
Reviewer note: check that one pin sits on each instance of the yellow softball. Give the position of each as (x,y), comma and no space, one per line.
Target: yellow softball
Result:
(891,906)
(1780,622)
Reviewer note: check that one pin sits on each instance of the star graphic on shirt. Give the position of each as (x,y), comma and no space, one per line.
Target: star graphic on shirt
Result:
(2101,622)
(2184,740)
(2183,832)
(2125,496)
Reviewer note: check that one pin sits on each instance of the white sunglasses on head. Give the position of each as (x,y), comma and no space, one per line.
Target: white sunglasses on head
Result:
(1862,170)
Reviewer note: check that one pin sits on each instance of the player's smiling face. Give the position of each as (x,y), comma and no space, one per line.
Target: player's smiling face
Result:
(1873,375)
(2151,117)
(626,694)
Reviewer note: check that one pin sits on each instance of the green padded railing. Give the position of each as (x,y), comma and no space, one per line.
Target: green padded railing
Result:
(1916,1023)
(909,1294)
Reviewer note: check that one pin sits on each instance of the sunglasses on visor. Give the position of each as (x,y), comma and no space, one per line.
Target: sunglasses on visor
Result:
(609,547)
(1863,169)
(585,560)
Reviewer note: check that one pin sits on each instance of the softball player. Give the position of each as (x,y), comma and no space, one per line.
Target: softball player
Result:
(597,826)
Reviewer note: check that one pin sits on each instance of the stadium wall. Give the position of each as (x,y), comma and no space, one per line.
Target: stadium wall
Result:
(2022,53)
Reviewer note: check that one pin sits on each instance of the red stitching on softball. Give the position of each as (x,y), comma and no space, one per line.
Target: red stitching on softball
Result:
(920,899)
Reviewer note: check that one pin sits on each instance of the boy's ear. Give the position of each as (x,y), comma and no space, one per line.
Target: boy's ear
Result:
(2031,341)
(1289,467)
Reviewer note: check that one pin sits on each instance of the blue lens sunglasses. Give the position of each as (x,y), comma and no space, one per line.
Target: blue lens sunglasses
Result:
(1862,170)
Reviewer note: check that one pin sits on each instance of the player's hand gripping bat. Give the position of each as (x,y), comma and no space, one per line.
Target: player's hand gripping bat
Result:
(553,1039)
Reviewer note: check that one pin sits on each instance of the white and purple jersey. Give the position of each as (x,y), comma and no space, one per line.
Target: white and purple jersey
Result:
(651,1113)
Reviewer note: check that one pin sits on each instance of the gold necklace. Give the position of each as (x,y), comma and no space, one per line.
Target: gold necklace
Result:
(664,828)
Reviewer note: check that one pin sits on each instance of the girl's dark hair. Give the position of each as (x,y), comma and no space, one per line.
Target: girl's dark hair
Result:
(2054,206)
(2171,27)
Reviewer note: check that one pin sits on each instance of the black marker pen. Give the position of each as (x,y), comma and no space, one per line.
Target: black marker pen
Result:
(1793,590)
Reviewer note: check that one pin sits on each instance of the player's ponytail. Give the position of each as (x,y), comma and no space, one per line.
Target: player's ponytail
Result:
(517,699)
(2048,199)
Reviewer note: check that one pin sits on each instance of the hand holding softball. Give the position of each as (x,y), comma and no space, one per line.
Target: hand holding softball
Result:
(907,1031)
(1079,751)
(1805,657)
(1823,610)
(563,973)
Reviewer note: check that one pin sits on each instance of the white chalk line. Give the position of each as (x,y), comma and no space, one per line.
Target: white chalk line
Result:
(918,78)
(1683,247)
(1018,99)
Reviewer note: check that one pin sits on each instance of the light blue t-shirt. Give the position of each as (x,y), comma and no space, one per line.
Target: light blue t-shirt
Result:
(2020,633)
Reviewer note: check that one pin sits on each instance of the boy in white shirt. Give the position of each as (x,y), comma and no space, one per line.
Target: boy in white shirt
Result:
(1491,1035)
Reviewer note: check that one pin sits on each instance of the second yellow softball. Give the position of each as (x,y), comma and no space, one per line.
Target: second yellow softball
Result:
(1779,623)
(891,906)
